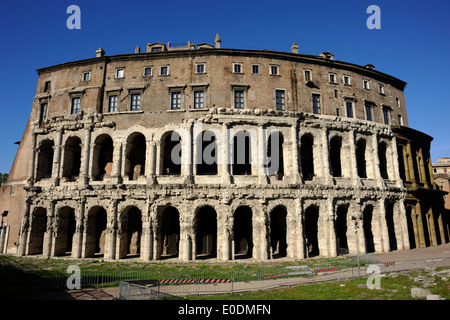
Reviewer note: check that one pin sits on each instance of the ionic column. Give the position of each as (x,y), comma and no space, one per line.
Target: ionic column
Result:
(57,160)
(352,163)
(226,154)
(295,172)
(31,173)
(326,175)
(85,175)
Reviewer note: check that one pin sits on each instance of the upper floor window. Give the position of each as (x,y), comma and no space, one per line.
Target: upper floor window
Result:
(120,73)
(398,103)
(381,89)
(279,97)
(198,99)
(164,71)
(366,84)
(308,75)
(239,99)
(316,103)
(148,71)
(369,111)
(255,68)
(274,70)
(347,80)
(86,76)
(349,108)
(47,86)
(75,108)
(135,102)
(200,68)
(43,112)
(112,105)
(175,101)
(237,68)
(332,78)
(386,115)
(400,119)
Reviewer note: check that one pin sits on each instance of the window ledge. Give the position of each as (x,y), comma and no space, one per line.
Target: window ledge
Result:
(198,109)
(176,110)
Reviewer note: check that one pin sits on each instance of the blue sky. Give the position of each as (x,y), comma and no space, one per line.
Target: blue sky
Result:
(412,44)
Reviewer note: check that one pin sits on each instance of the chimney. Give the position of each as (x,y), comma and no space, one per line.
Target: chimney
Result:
(294,48)
(99,52)
(137,50)
(217,41)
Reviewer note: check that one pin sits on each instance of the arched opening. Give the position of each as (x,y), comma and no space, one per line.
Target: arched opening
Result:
(367,227)
(335,156)
(72,158)
(243,232)
(45,160)
(307,156)
(341,229)
(103,157)
(401,161)
(391,225)
(66,231)
(409,222)
(242,154)
(275,155)
(278,232)
(361,158)
(205,225)
(131,232)
(424,209)
(169,237)
(95,233)
(38,228)
(311,231)
(382,159)
(135,156)
(206,153)
(171,154)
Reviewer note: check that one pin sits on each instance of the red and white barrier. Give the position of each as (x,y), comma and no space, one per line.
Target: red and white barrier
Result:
(387,264)
(272,276)
(177,281)
(215,280)
(434,260)
(325,270)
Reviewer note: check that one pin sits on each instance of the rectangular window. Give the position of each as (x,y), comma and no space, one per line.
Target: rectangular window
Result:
(47,86)
(237,68)
(175,102)
(347,80)
(200,68)
(119,73)
(381,89)
(349,107)
(157,49)
(164,71)
(332,78)
(366,84)
(274,70)
(386,115)
(239,99)
(75,109)
(400,119)
(86,76)
(112,106)
(308,75)
(369,115)
(316,103)
(198,99)
(148,72)
(279,99)
(135,102)
(398,103)
(255,69)
(43,114)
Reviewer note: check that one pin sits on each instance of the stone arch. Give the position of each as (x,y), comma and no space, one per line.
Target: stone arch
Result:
(243,232)
(95,231)
(72,158)
(368,219)
(341,228)
(66,227)
(102,158)
(171,148)
(311,230)
(307,156)
(390,221)
(205,226)
(275,155)
(168,232)
(44,166)
(335,154)
(361,166)
(130,231)
(207,153)
(382,158)
(135,155)
(38,228)
(278,231)
(242,153)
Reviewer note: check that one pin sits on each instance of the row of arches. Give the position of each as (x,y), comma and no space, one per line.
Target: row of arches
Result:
(207,145)
(96,234)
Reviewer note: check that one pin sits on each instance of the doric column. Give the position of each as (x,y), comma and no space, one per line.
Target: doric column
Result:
(48,235)
(24,229)
(111,231)
(78,236)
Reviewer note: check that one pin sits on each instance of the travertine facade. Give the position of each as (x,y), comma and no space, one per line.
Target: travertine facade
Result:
(101,176)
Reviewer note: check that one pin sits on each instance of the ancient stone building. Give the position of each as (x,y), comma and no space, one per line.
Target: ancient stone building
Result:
(202,152)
